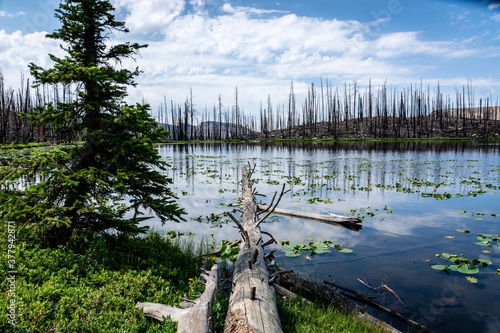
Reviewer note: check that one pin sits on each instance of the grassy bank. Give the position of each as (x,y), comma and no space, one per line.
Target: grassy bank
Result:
(93,286)
(301,317)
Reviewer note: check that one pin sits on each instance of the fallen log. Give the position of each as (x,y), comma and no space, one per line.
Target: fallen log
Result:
(323,294)
(252,304)
(363,299)
(351,223)
(198,317)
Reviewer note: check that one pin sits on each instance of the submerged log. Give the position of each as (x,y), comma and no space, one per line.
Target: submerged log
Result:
(198,317)
(351,223)
(252,304)
(323,294)
(363,299)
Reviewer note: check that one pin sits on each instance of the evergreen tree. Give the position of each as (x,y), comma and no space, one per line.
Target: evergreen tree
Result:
(116,172)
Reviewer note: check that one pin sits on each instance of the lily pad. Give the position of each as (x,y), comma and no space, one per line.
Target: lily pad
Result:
(463,231)
(440,267)
(345,250)
(327,240)
(483,262)
(288,246)
(292,254)
(466,269)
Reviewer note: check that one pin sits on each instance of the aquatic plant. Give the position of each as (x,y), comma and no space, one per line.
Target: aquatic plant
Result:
(319,247)
(461,264)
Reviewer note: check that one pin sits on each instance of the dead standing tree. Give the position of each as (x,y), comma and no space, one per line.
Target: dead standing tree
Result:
(252,304)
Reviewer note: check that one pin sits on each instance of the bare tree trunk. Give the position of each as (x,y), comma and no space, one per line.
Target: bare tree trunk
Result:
(252,304)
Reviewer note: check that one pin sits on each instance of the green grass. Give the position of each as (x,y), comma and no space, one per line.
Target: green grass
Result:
(299,317)
(93,285)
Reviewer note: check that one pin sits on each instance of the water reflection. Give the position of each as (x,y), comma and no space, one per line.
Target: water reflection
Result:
(411,194)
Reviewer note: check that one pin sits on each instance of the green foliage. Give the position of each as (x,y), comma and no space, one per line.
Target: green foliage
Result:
(461,264)
(316,247)
(93,285)
(226,250)
(117,170)
(487,239)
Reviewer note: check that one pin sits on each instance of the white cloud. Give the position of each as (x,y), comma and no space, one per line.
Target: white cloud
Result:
(248,10)
(197,4)
(493,6)
(18,50)
(407,43)
(149,16)
(10,15)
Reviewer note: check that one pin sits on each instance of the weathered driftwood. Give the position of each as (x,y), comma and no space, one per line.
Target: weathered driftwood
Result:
(252,304)
(352,223)
(321,293)
(196,318)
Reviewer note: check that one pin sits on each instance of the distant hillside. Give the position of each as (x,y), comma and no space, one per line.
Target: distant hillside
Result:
(440,125)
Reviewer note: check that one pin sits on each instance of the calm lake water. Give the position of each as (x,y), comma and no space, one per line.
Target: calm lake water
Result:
(413,198)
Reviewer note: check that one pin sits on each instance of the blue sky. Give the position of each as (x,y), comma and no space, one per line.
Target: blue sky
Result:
(212,46)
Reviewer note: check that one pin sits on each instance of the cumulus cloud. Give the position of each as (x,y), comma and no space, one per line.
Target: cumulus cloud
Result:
(18,50)
(237,48)
(150,16)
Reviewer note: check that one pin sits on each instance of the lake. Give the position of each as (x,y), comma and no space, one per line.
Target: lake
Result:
(412,196)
